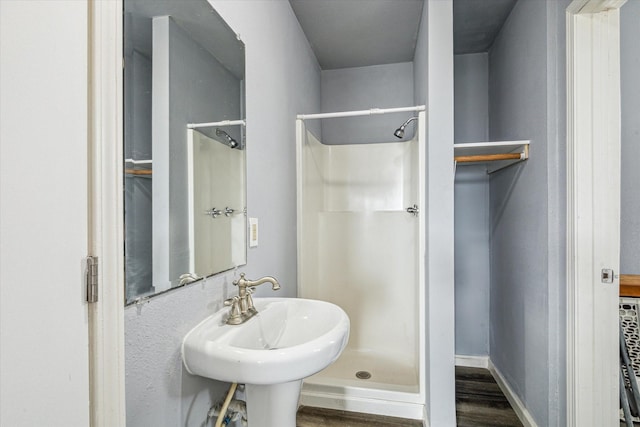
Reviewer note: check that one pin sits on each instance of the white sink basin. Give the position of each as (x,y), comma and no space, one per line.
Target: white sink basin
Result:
(289,339)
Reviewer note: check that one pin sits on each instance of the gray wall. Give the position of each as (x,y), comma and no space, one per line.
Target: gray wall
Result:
(527,205)
(433,83)
(471,97)
(630,190)
(363,88)
(471,124)
(283,79)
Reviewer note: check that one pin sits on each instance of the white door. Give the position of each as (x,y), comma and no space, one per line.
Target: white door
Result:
(44,355)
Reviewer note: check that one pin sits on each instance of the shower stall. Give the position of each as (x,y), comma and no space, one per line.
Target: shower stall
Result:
(361,245)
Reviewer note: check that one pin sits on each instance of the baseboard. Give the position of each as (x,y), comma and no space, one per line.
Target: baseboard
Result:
(517,405)
(472,361)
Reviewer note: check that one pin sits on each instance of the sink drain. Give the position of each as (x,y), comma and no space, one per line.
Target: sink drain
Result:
(363,375)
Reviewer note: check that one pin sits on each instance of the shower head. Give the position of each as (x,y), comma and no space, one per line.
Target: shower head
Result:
(399,133)
(228,139)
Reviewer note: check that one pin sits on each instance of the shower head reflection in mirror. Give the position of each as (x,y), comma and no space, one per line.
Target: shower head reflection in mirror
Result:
(228,140)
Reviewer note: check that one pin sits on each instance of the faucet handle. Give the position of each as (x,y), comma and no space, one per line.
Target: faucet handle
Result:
(250,307)
(231,301)
(235,317)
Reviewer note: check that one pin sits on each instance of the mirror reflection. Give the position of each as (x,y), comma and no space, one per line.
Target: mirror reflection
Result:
(185,192)
(216,217)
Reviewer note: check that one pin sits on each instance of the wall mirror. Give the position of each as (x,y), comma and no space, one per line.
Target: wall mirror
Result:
(184,145)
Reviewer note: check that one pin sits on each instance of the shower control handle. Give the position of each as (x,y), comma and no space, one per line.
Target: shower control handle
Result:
(213,212)
(413,210)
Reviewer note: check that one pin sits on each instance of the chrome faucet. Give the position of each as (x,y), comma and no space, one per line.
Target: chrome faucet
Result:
(242,308)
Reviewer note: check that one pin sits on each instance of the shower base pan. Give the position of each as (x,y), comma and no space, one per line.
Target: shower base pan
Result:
(363,381)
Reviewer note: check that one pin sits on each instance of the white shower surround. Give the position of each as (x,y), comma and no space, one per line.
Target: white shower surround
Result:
(360,249)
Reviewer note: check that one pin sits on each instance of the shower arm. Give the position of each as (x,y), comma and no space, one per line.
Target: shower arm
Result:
(405,124)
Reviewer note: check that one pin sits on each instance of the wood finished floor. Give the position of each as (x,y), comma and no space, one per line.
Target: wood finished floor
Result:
(479,403)
(319,417)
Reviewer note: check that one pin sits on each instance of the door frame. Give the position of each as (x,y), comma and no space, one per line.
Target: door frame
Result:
(106,230)
(593,210)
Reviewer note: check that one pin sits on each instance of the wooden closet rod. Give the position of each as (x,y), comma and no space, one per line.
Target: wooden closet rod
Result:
(138,171)
(487,157)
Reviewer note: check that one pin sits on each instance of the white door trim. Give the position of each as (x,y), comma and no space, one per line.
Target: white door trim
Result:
(106,317)
(593,211)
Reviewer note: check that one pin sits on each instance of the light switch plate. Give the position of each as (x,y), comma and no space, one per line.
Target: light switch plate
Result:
(253,232)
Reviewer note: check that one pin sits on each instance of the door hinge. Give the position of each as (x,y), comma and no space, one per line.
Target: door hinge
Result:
(92,278)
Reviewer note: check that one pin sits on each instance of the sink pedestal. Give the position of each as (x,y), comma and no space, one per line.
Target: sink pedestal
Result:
(272,405)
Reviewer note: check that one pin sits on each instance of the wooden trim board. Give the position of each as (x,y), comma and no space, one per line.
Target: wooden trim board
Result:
(630,285)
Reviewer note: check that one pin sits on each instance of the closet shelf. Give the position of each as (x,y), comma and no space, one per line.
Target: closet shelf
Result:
(140,168)
(497,155)
(630,285)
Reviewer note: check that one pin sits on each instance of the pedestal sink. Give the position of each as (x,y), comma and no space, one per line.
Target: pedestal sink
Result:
(288,340)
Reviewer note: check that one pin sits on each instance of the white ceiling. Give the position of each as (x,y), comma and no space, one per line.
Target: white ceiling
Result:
(358,33)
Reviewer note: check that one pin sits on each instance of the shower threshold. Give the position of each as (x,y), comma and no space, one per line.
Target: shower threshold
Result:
(366,382)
